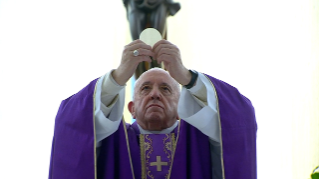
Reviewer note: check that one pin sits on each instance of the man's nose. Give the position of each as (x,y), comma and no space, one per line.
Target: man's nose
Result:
(155,94)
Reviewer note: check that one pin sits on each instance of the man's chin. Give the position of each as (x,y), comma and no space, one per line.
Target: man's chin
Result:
(154,117)
(155,124)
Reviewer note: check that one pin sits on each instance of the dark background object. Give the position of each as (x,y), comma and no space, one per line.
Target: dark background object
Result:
(143,14)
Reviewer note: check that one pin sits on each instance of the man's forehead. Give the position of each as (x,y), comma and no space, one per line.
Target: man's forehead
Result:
(158,77)
(155,75)
(155,82)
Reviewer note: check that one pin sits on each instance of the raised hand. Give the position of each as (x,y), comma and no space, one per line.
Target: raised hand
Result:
(169,54)
(130,60)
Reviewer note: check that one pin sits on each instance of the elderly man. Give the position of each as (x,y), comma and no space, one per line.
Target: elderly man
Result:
(208,130)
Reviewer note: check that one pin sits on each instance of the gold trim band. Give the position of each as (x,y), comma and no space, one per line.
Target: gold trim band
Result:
(220,129)
(174,148)
(128,148)
(94,147)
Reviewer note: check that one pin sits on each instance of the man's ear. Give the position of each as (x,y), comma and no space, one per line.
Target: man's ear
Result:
(131,108)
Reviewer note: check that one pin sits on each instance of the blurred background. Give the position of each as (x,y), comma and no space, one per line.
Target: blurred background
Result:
(269,50)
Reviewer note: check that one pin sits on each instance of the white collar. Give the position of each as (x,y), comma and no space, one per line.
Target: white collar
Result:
(164,131)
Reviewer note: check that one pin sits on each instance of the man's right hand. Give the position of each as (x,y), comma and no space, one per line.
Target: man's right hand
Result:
(130,62)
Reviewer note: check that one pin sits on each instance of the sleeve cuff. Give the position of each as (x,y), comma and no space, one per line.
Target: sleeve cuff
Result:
(197,87)
(109,85)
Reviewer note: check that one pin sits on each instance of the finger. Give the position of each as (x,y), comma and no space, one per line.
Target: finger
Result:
(161,42)
(143,52)
(142,49)
(138,44)
(138,47)
(164,57)
(135,42)
(168,53)
(165,48)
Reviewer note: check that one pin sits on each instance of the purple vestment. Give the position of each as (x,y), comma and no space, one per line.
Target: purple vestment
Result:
(73,153)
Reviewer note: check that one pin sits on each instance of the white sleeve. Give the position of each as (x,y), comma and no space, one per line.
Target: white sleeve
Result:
(197,106)
(109,105)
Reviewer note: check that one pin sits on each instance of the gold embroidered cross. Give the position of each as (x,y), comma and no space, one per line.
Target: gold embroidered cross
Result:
(158,163)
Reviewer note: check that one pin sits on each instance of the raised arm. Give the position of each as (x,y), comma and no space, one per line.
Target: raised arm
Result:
(110,95)
(197,105)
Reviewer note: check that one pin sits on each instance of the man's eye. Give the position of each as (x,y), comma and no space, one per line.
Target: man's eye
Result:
(165,88)
(145,87)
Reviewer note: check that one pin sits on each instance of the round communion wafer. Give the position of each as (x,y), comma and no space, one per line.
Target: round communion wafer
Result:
(150,36)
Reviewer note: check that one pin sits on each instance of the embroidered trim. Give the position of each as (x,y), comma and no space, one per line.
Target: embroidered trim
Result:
(142,152)
(171,147)
(94,147)
(149,151)
(220,129)
(174,148)
(128,148)
(167,146)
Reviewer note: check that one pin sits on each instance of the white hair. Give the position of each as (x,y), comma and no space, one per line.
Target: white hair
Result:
(176,85)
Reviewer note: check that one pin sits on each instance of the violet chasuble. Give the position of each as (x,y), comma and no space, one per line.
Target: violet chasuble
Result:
(127,154)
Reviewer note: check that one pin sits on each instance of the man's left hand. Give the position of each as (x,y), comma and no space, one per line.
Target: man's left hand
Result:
(169,54)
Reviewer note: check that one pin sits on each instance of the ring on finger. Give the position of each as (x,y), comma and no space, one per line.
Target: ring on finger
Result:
(136,53)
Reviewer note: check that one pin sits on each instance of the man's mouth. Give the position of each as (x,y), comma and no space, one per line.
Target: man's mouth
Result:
(155,105)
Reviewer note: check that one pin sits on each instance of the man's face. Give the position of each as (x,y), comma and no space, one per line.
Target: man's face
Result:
(155,101)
